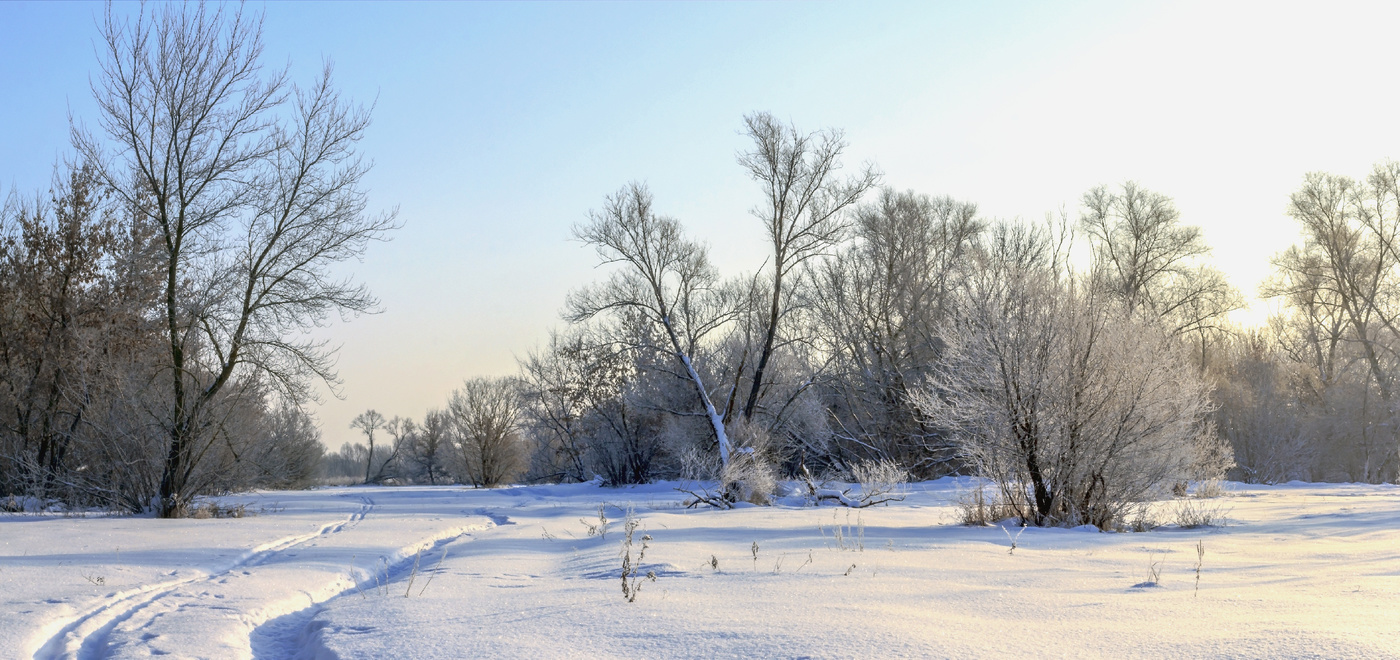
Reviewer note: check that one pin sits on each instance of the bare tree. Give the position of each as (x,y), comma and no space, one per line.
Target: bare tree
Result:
(560,385)
(1340,287)
(432,443)
(486,414)
(368,422)
(667,281)
(1147,260)
(879,308)
(254,187)
(803,209)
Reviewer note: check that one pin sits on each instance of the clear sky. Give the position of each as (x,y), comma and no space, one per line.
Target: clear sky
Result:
(498,126)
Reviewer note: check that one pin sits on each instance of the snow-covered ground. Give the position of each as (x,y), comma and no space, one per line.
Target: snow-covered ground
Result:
(1302,570)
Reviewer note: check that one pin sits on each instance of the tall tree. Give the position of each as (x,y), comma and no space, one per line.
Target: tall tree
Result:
(368,422)
(254,187)
(879,307)
(1341,284)
(486,414)
(666,279)
(1149,261)
(803,209)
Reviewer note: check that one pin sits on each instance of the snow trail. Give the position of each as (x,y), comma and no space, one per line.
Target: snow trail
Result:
(85,634)
(297,634)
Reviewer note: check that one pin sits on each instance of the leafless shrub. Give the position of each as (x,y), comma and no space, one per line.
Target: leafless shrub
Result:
(1142,519)
(880,481)
(1193,512)
(1210,488)
(1072,408)
(746,478)
(975,510)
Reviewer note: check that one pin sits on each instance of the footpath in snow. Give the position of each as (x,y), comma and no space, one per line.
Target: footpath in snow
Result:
(1302,570)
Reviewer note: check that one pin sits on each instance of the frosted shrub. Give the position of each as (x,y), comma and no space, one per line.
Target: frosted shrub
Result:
(749,478)
(880,480)
(1074,408)
(1193,512)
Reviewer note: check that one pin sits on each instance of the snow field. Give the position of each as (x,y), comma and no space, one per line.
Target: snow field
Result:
(1303,570)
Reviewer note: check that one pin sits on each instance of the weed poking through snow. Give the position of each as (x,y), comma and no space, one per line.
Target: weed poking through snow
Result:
(631,584)
(1200,559)
(1154,572)
(1012,539)
(845,536)
(805,563)
(413,573)
(600,529)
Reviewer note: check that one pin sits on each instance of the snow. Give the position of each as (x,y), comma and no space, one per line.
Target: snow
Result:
(1302,570)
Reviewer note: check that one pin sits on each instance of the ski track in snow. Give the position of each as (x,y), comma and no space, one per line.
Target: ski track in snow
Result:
(298,634)
(84,635)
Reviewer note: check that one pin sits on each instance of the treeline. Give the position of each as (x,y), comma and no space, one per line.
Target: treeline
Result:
(153,309)
(1083,362)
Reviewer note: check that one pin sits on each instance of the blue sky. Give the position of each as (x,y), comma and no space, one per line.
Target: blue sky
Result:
(498,125)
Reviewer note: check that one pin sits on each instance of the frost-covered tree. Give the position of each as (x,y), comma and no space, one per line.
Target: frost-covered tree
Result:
(1073,408)
(1146,260)
(665,282)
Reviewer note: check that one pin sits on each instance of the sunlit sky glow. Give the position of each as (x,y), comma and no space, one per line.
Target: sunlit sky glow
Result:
(497,126)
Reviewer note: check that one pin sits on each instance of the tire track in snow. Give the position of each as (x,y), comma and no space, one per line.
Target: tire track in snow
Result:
(85,634)
(297,635)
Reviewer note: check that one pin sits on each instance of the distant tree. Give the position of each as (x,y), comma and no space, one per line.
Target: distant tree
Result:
(560,385)
(486,414)
(1265,407)
(254,188)
(432,444)
(1339,287)
(1148,261)
(368,422)
(803,210)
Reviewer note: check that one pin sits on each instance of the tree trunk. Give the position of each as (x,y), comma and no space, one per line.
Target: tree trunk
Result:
(768,338)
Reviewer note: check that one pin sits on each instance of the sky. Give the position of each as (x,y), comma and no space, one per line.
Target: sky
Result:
(498,126)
